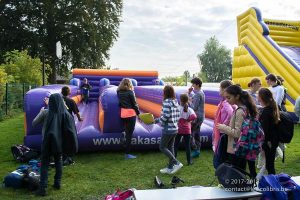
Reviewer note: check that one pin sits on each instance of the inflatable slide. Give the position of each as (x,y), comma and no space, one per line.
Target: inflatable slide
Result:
(268,46)
(101,128)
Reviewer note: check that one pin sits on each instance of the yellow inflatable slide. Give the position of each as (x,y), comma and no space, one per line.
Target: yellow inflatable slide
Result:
(268,46)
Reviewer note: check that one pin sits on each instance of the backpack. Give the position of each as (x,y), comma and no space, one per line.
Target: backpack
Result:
(285,128)
(22,153)
(119,195)
(251,138)
(25,176)
(234,178)
(15,179)
(280,187)
(221,152)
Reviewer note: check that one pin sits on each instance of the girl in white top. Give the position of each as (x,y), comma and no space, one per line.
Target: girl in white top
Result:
(276,88)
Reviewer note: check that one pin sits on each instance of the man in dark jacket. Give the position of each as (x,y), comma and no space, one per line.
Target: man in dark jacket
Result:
(58,137)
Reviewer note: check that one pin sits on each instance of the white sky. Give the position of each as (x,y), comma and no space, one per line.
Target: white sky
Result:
(166,35)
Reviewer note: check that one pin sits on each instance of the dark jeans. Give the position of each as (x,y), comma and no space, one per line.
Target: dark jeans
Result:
(195,137)
(85,98)
(166,146)
(129,125)
(187,145)
(252,169)
(237,161)
(45,159)
(270,158)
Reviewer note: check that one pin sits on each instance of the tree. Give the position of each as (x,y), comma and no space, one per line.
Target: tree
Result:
(215,60)
(86,30)
(19,67)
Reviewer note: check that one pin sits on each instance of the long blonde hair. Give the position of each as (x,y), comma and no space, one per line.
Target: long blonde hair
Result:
(125,84)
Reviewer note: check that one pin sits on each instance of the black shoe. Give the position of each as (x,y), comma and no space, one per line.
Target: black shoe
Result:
(56,186)
(158,183)
(190,163)
(41,192)
(175,180)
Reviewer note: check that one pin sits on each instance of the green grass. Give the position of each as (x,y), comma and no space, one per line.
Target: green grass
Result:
(96,174)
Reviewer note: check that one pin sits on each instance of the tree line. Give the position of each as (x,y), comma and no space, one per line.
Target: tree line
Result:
(86,29)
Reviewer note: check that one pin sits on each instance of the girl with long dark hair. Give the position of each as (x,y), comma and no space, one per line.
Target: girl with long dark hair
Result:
(246,106)
(269,118)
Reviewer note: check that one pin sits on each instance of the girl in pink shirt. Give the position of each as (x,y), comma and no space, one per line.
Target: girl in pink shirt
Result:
(223,114)
(187,115)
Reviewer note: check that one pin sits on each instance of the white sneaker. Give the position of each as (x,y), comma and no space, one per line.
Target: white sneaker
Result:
(166,170)
(261,173)
(176,168)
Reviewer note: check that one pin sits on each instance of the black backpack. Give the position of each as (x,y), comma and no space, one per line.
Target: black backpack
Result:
(234,179)
(285,128)
(22,153)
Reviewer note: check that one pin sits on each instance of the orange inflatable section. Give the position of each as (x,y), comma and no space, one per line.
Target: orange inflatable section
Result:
(25,126)
(77,99)
(149,107)
(210,111)
(102,72)
(155,109)
(101,117)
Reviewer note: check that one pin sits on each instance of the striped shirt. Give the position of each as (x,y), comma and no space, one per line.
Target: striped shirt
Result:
(169,116)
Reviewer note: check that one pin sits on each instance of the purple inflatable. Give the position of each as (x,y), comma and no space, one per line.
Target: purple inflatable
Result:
(101,127)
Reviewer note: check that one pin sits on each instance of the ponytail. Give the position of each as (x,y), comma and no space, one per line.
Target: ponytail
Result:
(184,99)
(275,113)
(247,100)
(185,107)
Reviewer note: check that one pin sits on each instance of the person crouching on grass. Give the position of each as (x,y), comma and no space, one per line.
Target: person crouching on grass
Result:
(169,122)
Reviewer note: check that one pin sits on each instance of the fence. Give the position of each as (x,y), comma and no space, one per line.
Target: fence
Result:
(12,97)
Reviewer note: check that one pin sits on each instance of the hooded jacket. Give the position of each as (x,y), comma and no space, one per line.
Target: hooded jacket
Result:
(59,131)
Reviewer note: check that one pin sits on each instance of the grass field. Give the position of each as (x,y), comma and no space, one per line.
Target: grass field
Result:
(96,174)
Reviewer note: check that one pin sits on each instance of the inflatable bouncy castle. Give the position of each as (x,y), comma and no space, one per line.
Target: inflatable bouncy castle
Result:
(101,128)
(268,46)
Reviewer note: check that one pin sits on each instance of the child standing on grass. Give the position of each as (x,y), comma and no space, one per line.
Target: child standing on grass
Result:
(58,136)
(269,118)
(129,112)
(246,106)
(223,115)
(197,104)
(169,122)
(187,115)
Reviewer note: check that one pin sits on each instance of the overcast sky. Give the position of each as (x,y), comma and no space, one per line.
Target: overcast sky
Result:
(167,35)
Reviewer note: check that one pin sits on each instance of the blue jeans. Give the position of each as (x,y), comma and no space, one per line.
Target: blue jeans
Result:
(45,159)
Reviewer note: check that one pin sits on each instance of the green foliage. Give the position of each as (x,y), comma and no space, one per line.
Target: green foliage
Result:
(215,60)
(86,30)
(96,174)
(21,68)
(13,102)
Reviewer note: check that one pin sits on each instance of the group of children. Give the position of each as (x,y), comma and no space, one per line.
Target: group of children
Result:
(263,104)
(176,120)
(181,121)
(184,120)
